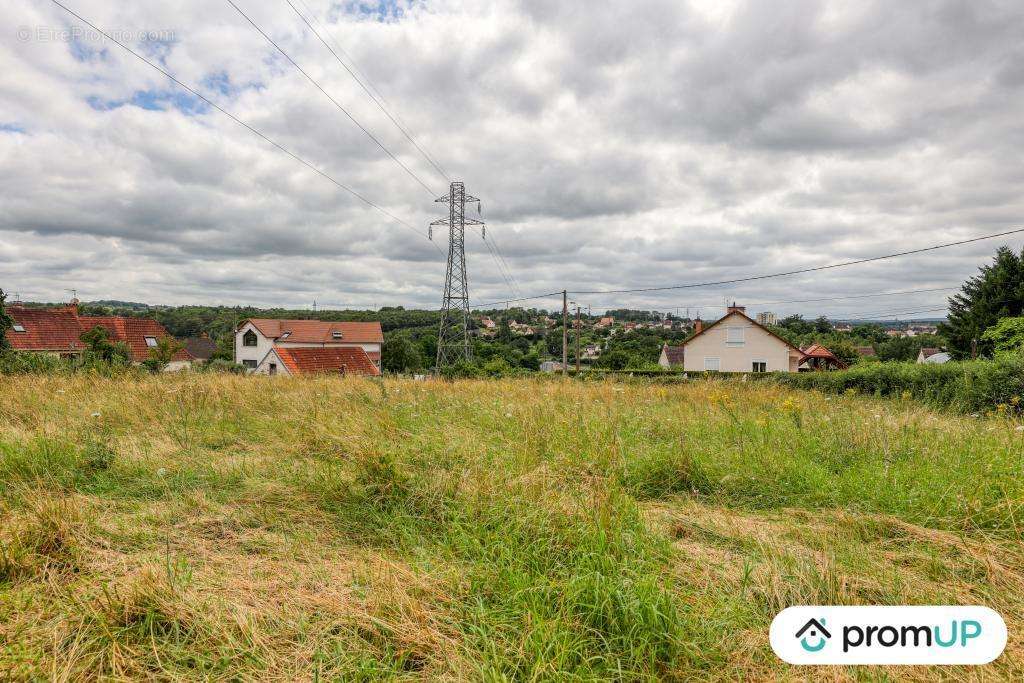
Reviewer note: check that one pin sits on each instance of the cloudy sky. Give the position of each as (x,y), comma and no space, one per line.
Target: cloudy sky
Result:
(613,145)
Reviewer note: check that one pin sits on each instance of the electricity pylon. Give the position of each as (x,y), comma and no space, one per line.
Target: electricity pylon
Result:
(452,342)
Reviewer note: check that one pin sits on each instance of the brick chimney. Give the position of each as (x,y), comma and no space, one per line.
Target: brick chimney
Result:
(73,306)
(698,326)
(736,309)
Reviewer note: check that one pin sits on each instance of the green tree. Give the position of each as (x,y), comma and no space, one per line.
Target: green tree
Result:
(996,292)
(796,324)
(400,354)
(162,354)
(1006,336)
(822,325)
(6,323)
(616,359)
(99,348)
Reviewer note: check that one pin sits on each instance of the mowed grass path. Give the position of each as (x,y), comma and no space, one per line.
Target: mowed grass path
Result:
(225,528)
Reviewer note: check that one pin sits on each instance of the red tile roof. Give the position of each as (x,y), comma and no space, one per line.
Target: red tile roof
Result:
(60,329)
(819,351)
(46,329)
(317,331)
(333,359)
(674,354)
(133,332)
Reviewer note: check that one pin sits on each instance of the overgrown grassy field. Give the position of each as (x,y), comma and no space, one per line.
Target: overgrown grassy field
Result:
(224,527)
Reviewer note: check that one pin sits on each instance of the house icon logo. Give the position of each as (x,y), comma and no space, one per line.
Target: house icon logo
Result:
(815,631)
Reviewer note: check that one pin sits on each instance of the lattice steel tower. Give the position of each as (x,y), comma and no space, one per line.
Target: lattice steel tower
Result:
(453,336)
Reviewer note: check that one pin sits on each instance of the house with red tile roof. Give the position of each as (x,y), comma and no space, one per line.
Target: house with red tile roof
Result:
(59,330)
(256,337)
(335,360)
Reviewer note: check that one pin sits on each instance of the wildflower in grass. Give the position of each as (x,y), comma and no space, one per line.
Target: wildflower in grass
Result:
(906,395)
(1001,408)
(1014,401)
(95,415)
(792,408)
(851,392)
(162,472)
(1019,428)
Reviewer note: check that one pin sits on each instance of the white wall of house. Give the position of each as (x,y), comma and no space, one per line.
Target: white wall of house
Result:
(271,365)
(251,353)
(735,345)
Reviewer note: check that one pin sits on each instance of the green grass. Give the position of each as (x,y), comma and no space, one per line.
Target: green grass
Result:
(224,527)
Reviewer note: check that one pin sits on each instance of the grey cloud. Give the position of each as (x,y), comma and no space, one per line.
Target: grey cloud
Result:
(613,145)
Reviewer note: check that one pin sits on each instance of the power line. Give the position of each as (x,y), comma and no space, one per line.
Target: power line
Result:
(834,298)
(240,121)
(497,248)
(802,270)
(770,275)
(522,298)
(373,97)
(889,315)
(333,101)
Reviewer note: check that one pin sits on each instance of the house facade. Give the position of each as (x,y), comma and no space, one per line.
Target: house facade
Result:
(736,343)
(256,337)
(58,330)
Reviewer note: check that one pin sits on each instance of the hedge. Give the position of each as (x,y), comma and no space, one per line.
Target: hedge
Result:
(969,387)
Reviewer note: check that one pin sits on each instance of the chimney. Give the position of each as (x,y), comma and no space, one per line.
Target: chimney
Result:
(698,326)
(736,309)
(73,306)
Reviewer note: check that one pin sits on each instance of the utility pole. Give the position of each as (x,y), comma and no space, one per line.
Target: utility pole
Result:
(578,330)
(565,332)
(453,344)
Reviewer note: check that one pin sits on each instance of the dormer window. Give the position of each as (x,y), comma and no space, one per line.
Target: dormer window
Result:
(249,338)
(336,334)
(151,342)
(18,327)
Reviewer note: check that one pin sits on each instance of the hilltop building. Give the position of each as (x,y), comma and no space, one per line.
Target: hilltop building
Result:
(767,318)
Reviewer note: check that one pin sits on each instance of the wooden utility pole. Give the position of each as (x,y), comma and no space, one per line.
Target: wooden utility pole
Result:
(565,332)
(578,325)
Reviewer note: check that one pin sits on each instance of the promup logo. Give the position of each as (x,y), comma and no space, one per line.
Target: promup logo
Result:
(888,635)
(817,631)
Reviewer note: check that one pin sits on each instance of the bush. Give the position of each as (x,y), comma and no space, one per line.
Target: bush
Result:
(221,365)
(32,363)
(968,387)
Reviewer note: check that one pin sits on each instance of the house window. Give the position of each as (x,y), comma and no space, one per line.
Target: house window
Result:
(759,366)
(251,364)
(272,369)
(18,327)
(249,339)
(734,336)
(151,342)
(712,364)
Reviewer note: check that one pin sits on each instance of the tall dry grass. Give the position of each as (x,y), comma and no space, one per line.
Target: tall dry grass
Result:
(225,527)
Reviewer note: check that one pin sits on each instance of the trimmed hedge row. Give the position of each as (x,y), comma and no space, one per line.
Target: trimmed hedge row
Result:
(969,387)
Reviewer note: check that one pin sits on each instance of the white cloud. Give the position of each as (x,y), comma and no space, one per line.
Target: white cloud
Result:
(614,146)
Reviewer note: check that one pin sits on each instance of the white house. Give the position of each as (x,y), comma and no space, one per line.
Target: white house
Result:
(255,337)
(736,343)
